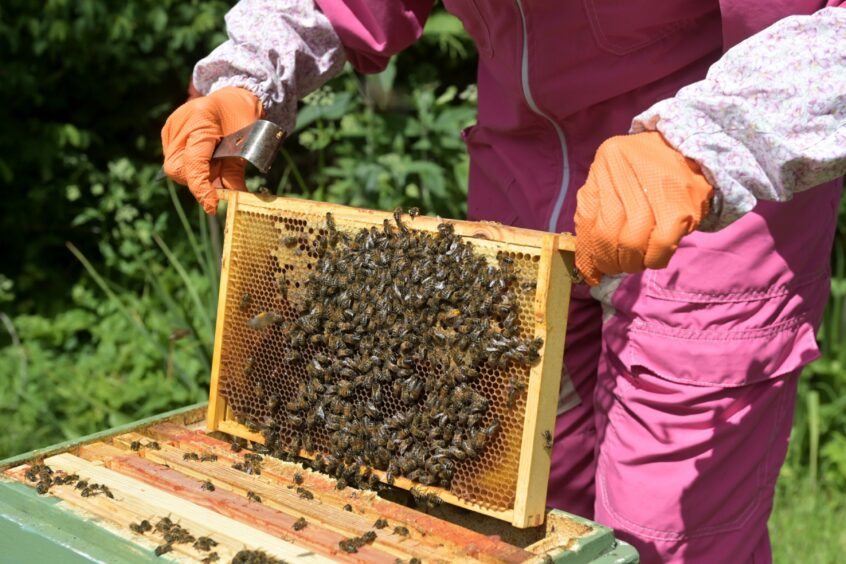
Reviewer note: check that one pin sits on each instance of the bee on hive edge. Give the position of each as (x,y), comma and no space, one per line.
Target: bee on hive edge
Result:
(547,438)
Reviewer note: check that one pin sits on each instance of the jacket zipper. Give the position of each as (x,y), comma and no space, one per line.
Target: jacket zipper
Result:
(527,94)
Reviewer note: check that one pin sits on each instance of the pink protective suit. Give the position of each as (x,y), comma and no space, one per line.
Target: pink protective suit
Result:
(675,421)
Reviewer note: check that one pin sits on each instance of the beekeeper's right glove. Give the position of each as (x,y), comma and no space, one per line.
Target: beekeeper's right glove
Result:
(192,132)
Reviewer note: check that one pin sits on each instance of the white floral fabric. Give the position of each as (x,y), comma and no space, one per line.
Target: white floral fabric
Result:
(281,50)
(769,119)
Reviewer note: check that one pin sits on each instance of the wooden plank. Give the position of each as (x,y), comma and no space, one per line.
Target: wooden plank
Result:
(567,242)
(217,404)
(473,229)
(324,511)
(469,543)
(36,528)
(115,515)
(186,414)
(237,507)
(180,507)
(544,381)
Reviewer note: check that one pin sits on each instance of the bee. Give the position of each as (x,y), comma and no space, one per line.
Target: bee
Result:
(246,298)
(213,557)
(153,445)
(290,241)
(300,524)
(380,524)
(235,445)
(293,356)
(413,212)
(135,446)
(282,286)
(164,548)
(208,458)
(304,493)
(205,544)
(208,486)
(190,456)
(547,440)
(348,546)
(298,478)
(253,496)
(514,389)
(164,524)
(264,320)
(401,531)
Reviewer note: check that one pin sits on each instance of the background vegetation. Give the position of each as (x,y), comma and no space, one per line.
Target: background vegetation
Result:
(108,280)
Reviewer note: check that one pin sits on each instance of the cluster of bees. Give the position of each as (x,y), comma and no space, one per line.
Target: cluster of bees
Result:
(174,533)
(205,457)
(136,446)
(46,478)
(403,322)
(255,557)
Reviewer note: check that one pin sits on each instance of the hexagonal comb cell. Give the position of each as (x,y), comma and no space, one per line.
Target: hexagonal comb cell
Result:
(260,370)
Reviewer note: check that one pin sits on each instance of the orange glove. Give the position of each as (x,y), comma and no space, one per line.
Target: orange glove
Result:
(640,198)
(191,134)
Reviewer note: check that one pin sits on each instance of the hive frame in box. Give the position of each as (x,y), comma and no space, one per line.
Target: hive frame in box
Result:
(554,271)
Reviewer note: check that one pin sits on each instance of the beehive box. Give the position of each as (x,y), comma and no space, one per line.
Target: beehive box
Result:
(508,480)
(63,525)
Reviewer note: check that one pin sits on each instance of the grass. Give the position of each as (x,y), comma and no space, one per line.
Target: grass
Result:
(807,524)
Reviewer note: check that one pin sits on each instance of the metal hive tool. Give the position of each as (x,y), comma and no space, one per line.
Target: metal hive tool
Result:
(509,479)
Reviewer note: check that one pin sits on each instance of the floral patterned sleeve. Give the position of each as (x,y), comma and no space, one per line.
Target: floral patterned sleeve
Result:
(769,119)
(278,49)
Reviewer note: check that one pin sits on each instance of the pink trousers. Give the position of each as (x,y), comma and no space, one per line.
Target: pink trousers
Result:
(685,473)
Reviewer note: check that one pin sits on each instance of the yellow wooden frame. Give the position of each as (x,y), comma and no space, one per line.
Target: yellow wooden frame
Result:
(555,277)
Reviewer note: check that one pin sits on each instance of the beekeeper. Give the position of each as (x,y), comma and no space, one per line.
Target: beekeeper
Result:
(696,144)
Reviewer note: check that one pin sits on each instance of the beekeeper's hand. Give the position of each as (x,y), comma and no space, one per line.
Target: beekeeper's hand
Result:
(191,134)
(640,198)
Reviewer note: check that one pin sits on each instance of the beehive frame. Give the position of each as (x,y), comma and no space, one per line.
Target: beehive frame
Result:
(551,256)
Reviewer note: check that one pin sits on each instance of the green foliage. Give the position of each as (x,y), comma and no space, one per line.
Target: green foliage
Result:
(806,525)
(85,86)
(371,154)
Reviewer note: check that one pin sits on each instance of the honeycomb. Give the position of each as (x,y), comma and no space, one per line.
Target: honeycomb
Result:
(252,365)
